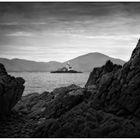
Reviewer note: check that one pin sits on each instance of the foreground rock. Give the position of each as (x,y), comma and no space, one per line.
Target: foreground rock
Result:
(120,93)
(112,108)
(108,106)
(11,90)
(51,105)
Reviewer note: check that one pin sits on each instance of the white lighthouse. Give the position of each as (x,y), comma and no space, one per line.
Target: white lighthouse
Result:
(68,66)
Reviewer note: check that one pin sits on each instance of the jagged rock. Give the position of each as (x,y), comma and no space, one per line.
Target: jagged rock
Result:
(112,111)
(83,121)
(11,90)
(97,76)
(34,104)
(47,129)
(67,98)
(63,90)
(122,92)
(51,105)
(2,70)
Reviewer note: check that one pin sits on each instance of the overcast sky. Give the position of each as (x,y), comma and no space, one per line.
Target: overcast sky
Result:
(62,31)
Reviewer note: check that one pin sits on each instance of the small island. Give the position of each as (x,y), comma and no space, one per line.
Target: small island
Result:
(66,69)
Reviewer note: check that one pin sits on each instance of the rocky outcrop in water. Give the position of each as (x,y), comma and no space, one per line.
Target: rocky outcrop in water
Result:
(11,90)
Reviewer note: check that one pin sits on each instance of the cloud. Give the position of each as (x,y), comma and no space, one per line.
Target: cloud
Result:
(114,37)
(8,23)
(61,31)
(23,23)
(20,34)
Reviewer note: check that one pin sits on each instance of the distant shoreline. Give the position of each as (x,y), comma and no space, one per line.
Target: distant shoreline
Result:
(42,72)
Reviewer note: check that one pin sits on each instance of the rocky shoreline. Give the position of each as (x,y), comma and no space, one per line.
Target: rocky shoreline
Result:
(108,105)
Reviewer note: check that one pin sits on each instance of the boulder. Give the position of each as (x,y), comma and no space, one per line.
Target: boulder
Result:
(2,70)
(53,104)
(122,92)
(97,76)
(11,90)
(33,104)
(65,99)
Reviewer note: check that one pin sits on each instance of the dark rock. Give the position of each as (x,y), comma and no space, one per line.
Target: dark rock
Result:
(47,129)
(83,121)
(2,70)
(63,90)
(51,105)
(33,104)
(96,78)
(111,110)
(65,99)
(11,90)
(123,92)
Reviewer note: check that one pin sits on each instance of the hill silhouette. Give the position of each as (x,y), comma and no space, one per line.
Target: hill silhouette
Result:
(84,63)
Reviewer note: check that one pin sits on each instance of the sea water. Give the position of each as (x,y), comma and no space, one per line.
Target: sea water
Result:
(45,81)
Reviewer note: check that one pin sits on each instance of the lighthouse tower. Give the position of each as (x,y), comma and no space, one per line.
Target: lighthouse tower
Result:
(68,66)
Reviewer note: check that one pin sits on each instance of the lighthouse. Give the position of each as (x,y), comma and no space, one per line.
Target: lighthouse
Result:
(68,66)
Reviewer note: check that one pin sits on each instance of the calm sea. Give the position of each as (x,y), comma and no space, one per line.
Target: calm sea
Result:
(45,81)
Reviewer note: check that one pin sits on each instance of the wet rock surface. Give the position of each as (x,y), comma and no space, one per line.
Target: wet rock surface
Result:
(108,106)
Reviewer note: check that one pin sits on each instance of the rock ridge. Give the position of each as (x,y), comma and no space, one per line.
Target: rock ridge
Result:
(11,90)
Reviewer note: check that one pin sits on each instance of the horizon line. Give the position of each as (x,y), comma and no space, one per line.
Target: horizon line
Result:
(63,61)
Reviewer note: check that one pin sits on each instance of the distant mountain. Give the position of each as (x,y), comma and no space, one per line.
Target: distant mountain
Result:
(26,65)
(84,63)
(90,60)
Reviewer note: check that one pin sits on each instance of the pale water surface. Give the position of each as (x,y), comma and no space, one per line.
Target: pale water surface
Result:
(45,81)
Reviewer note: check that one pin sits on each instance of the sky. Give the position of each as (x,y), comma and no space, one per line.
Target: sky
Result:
(59,31)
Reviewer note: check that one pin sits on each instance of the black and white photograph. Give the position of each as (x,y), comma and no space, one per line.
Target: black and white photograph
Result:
(69,69)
